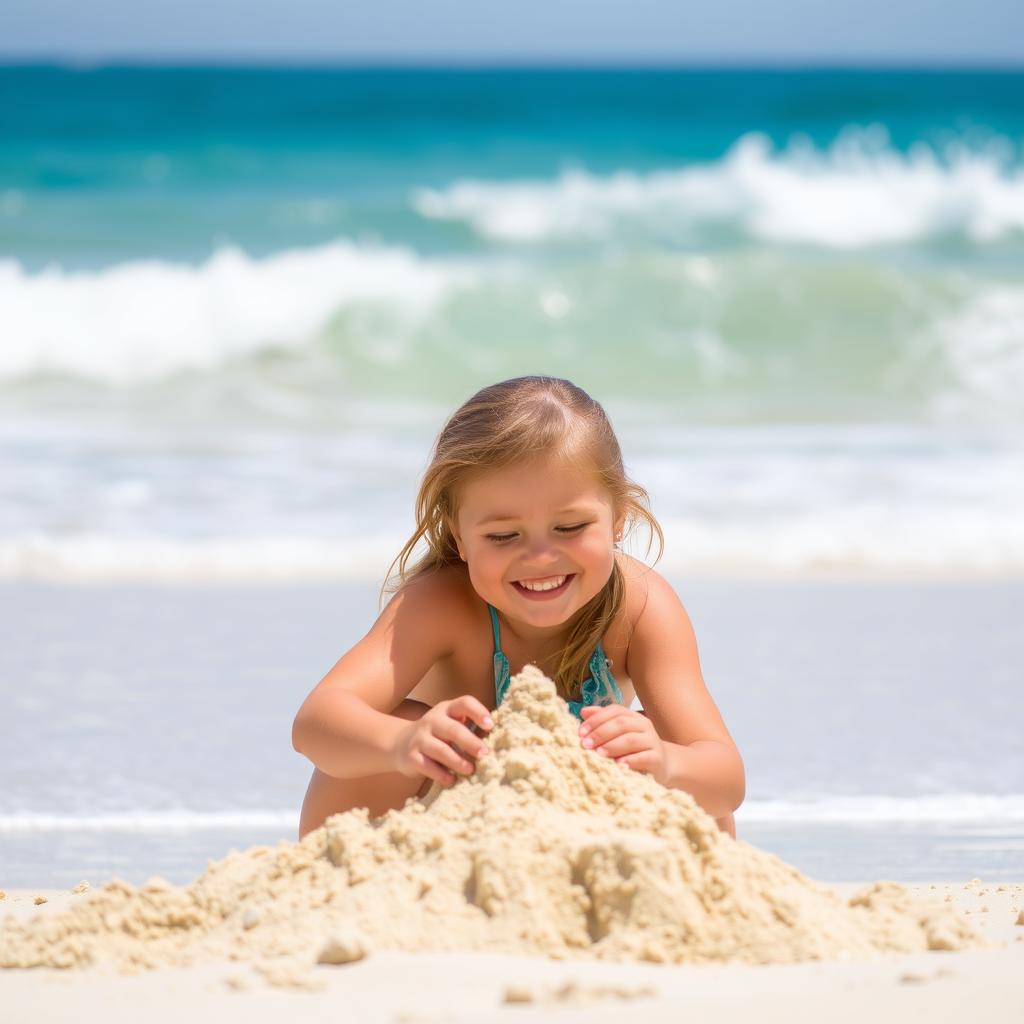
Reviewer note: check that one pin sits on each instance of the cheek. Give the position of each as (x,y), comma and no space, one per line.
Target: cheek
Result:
(485,562)
(599,554)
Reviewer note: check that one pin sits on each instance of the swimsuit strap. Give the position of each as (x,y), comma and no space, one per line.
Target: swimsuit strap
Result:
(494,627)
(600,689)
(502,670)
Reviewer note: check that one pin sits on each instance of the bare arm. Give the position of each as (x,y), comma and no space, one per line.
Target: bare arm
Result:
(710,770)
(345,737)
(344,726)
(702,758)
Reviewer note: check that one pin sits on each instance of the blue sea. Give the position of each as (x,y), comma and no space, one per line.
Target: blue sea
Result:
(237,303)
(232,299)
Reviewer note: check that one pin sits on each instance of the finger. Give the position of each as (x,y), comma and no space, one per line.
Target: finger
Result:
(599,714)
(627,743)
(641,761)
(615,727)
(432,770)
(468,707)
(452,731)
(447,756)
(589,710)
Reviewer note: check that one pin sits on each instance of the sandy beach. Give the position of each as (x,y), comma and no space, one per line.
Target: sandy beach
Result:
(808,963)
(238,302)
(403,987)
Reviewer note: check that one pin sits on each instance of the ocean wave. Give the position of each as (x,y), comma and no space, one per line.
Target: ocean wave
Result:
(858,193)
(752,331)
(875,540)
(267,559)
(144,320)
(141,820)
(982,343)
(873,536)
(950,809)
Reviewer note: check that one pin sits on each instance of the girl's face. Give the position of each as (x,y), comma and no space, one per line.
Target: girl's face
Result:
(538,539)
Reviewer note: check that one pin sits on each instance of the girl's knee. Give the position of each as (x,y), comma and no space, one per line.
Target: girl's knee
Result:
(327,795)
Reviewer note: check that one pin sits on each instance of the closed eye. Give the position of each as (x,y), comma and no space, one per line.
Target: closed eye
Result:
(503,538)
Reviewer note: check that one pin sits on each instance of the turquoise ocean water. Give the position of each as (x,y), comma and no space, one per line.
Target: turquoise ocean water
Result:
(236,304)
(232,298)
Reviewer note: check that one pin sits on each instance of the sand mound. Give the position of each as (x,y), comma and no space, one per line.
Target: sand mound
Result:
(546,849)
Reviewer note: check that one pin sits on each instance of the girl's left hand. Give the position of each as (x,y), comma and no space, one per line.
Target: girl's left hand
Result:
(625,735)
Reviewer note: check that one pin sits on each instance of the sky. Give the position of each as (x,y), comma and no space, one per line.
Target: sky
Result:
(982,32)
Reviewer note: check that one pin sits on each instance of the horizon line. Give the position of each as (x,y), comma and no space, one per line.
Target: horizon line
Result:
(82,62)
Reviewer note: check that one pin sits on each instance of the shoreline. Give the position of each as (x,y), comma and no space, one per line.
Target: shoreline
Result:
(124,679)
(676,574)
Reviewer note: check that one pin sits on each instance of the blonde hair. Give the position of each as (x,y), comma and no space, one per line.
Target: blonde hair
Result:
(513,421)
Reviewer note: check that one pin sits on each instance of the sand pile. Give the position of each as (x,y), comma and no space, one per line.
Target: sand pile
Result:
(546,849)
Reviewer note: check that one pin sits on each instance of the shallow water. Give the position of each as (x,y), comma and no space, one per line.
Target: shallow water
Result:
(149,728)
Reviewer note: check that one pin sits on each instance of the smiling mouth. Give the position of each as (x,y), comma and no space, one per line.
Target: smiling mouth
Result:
(544,585)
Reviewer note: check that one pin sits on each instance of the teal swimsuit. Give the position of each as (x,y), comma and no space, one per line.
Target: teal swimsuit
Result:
(600,688)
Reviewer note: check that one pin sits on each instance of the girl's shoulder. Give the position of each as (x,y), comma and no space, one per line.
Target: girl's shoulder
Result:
(646,589)
(433,612)
(446,616)
(440,594)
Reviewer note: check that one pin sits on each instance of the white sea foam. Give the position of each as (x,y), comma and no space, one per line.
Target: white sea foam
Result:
(941,343)
(121,501)
(860,192)
(111,558)
(143,320)
(983,345)
(149,821)
(951,809)
(875,539)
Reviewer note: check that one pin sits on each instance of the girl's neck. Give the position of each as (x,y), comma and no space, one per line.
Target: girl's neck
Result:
(541,640)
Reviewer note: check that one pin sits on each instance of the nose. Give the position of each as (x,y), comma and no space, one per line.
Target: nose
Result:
(540,551)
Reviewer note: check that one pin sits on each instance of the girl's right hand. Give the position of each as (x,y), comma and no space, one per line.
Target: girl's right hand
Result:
(436,744)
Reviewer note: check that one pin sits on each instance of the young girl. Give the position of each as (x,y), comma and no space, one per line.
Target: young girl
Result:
(521,508)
